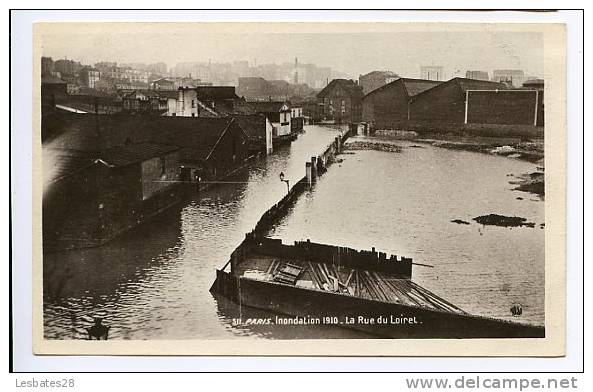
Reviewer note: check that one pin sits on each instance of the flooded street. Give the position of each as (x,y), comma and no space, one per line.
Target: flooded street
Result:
(410,199)
(153,282)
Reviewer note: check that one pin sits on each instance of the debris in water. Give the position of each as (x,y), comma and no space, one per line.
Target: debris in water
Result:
(460,222)
(531,183)
(504,221)
(372,145)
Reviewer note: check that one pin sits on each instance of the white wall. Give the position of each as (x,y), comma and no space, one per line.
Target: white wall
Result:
(269,130)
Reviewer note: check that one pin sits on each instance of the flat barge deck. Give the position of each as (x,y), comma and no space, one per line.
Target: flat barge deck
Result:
(362,290)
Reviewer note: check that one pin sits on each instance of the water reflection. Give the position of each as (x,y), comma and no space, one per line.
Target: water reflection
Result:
(409,200)
(153,282)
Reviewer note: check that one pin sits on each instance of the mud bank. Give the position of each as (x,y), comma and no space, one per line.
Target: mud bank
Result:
(527,151)
(377,145)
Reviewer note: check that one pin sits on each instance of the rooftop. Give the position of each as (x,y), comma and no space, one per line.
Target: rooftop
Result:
(348,85)
(254,125)
(267,106)
(61,163)
(91,133)
(413,86)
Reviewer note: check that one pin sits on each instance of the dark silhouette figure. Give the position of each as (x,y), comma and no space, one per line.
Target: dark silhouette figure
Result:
(98,330)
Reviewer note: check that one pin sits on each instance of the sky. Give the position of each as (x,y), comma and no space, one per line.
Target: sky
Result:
(352,53)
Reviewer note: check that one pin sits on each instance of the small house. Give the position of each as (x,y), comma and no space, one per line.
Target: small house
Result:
(341,101)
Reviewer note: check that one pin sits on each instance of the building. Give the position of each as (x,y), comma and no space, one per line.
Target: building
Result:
(52,88)
(68,67)
(297,118)
(206,101)
(47,66)
(89,76)
(534,83)
(375,79)
(91,196)
(259,130)
(260,89)
(445,104)
(145,101)
(170,97)
(212,147)
(512,77)
(86,103)
(163,84)
(505,107)
(253,88)
(432,72)
(477,75)
(278,113)
(389,106)
(341,101)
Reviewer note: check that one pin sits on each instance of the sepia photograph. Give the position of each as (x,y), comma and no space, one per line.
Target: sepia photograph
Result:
(299,188)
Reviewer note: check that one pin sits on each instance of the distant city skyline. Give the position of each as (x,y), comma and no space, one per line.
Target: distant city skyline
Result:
(349,53)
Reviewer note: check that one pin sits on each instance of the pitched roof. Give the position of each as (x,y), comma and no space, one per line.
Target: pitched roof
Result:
(474,84)
(254,125)
(386,73)
(465,84)
(347,84)
(132,153)
(215,92)
(417,86)
(412,86)
(196,136)
(60,163)
(267,106)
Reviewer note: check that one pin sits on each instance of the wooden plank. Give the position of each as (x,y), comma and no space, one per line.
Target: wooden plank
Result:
(420,288)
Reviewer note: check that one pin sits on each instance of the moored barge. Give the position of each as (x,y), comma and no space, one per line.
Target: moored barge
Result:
(362,290)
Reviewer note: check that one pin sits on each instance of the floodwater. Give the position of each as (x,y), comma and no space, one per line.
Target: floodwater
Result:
(153,282)
(403,204)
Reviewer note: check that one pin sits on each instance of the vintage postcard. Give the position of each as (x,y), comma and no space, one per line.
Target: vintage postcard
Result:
(336,189)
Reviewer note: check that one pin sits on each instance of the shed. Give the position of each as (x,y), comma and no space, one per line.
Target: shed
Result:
(444,104)
(389,105)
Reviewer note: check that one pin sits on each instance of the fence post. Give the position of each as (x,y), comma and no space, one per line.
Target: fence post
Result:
(466,104)
(536,104)
(309,172)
